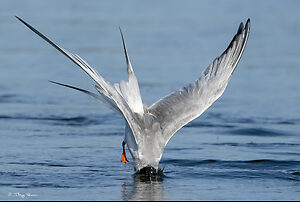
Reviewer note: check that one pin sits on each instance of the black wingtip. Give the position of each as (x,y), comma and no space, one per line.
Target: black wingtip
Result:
(125,51)
(247,24)
(51,81)
(123,40)
(18,18)
(61,84)
(241,27)
(68,86)
(121,34)
(21,20)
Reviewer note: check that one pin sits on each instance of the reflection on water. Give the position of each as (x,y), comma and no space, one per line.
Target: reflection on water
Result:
(143,189)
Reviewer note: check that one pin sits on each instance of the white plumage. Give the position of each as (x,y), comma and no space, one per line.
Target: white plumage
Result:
(148,129)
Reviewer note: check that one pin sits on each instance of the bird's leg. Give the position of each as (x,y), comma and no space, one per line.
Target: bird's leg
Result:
(123,157)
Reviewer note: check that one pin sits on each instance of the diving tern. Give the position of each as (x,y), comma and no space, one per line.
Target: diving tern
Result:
(148,129)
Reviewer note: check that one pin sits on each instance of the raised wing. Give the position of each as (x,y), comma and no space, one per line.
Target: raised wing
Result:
(108,102)
(186,104)
(113,95)
(130,90)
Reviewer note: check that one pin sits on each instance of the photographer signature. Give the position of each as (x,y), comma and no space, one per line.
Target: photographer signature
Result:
(21,195)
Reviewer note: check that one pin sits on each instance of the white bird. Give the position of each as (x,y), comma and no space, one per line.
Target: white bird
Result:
(148,129)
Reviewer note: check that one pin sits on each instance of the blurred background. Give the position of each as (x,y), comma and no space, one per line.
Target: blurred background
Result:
(56,143)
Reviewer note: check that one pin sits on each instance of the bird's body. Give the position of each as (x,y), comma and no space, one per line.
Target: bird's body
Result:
(148,129)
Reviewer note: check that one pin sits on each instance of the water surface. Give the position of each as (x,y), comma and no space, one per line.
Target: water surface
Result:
(56,143)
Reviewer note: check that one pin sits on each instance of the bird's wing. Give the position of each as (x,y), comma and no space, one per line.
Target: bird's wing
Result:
(130,89)
(186,104)
(100,97)
(114,93)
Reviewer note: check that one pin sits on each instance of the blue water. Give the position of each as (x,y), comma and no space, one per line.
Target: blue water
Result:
(56,143)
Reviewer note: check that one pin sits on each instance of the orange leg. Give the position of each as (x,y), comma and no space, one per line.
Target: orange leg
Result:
(123,157)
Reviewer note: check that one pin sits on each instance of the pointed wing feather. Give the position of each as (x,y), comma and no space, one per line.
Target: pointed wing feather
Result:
(130,90)
(107,89)
(181,107)
(73,57)
(105,100)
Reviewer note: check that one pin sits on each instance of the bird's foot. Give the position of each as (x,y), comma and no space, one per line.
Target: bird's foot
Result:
(123,157)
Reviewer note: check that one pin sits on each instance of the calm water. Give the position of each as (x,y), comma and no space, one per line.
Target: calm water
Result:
(56,143)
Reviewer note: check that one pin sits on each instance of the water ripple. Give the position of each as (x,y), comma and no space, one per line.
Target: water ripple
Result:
(250,169)
(255,145)
(258,132)
(60,120)
(208,124)
(254,163)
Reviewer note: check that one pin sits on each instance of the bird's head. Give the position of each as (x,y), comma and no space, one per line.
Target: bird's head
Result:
(148,171)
